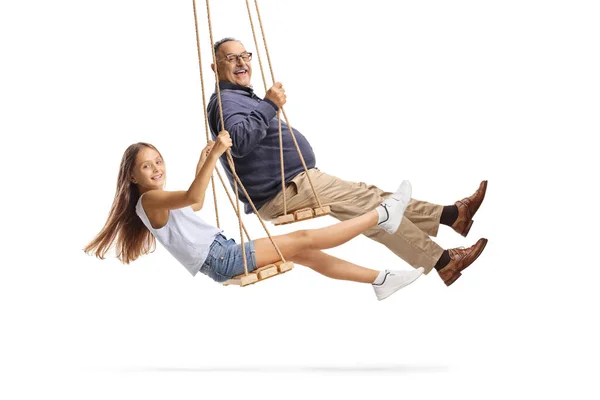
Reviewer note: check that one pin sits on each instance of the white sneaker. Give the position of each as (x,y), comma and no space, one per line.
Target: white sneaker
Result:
(394,206)
(394,281)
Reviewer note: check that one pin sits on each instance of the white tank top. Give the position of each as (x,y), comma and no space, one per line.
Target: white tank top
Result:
(186,236)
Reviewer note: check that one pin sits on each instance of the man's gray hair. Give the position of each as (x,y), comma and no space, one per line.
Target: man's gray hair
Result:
(224,40)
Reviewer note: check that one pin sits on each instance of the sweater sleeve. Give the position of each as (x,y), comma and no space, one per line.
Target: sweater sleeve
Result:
(247,127)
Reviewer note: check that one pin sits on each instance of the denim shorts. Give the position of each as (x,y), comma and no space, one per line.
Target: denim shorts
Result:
(225,261)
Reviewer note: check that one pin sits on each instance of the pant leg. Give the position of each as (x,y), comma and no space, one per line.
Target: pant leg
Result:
(349,199)
(426,216)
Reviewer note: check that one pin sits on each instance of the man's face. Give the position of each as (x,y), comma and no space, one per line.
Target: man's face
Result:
(233,69)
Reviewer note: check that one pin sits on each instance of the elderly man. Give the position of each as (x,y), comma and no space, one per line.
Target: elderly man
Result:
(252,124)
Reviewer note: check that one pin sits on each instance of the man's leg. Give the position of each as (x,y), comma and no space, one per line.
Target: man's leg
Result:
(348,200)
(425,215)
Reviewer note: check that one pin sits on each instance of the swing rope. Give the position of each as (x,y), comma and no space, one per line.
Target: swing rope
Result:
(282,110)
(206,129)
(237,180)
(229,159)
(264,80)
(212,178)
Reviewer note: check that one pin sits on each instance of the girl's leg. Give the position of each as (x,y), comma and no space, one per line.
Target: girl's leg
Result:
(302,241)
(335,268)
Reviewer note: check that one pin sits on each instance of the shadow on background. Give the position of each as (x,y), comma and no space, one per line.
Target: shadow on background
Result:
(374,368)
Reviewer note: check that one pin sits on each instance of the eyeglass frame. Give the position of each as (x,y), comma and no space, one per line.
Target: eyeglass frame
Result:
(237,57)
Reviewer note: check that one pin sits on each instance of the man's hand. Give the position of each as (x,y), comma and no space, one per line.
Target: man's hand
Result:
(276,94)
(222,144)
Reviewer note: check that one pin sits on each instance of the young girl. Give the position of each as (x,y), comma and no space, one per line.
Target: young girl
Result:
(143,211)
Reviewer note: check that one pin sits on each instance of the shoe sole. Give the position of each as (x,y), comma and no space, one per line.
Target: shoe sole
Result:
(465,231)
(401,287)
(484,184)
(453,279)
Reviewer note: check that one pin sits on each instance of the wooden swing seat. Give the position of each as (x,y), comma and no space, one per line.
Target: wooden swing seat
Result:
(260,274)
(302,214)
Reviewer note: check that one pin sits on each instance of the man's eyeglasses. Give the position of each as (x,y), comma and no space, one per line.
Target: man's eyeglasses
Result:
(233,58)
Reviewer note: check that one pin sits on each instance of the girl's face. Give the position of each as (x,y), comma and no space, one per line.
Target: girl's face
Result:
(149,172)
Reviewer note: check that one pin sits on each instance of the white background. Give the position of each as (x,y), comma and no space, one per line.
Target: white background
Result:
(444,93)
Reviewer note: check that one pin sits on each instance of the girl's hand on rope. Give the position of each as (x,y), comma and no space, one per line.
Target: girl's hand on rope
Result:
(206,151)
(222,144)
(277,94)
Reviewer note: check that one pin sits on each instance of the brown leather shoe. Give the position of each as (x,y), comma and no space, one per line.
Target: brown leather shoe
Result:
(459,260)
(467,208)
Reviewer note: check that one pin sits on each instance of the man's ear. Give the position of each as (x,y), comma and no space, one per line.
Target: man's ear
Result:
(212,66)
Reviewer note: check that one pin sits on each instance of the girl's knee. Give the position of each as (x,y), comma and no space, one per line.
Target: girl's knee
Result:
(304,237)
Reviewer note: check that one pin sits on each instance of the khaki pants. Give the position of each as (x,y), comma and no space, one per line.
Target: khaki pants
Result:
(347,200)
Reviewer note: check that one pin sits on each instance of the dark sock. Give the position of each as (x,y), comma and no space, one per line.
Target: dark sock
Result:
(449,215)
(443,261)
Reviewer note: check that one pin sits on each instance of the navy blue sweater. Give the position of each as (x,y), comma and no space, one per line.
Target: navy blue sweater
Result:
(252,125)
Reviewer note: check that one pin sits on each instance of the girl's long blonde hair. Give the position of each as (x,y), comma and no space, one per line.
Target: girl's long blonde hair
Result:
(123,225)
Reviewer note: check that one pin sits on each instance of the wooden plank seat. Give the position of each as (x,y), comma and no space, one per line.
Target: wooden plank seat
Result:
(302,214)
(260,274)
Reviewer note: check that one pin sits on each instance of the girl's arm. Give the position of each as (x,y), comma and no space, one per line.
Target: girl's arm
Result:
(194,196)
(203,157)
